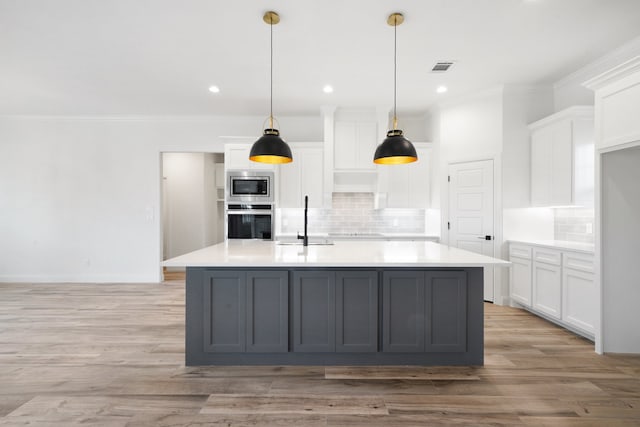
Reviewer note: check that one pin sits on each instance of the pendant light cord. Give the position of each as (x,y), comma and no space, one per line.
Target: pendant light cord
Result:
(395,69)
(271,76)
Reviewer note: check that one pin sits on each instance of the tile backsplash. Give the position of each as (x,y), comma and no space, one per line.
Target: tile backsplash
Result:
(353,213)
(574,224)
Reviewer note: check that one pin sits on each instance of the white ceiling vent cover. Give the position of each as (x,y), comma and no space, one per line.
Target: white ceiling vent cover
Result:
(442,66)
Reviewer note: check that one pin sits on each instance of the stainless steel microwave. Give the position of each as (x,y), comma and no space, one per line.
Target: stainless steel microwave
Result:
(249,186)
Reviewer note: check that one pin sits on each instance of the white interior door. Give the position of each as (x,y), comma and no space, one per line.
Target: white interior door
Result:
(471,212)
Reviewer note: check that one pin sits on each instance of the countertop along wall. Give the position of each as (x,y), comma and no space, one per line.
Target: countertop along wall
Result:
(80,196)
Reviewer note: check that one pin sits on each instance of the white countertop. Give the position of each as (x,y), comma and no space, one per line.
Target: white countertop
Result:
(559,244)
(365,236)
(343,253)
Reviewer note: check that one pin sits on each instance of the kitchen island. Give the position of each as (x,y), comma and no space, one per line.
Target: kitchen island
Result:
(251,302)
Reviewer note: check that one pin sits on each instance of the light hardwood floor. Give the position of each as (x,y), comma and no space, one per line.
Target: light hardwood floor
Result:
(113,355)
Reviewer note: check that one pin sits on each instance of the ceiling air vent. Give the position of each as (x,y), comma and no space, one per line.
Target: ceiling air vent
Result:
(441,67)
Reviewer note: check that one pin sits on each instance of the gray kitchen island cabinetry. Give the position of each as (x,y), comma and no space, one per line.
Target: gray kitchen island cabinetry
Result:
(334,316)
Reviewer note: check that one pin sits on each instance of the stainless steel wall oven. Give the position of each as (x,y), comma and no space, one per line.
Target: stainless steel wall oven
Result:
(250,221)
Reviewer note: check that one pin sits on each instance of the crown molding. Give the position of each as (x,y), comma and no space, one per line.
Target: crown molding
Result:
(575,112)
(141,118)
(116,118)
(621,71)
(620,55)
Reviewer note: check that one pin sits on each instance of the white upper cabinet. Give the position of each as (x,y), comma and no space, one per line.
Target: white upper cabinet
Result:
(236,156)
(304,176)
(408,185)
(562,159)
(355,143)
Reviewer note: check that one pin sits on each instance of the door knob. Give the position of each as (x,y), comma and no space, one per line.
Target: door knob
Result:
(487,237)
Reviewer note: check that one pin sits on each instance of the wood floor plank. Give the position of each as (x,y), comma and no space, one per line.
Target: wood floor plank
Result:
(314,385)
(451,373)
(294,404)
(251,372)
(198,386)
(480,405)
(430,420)
(610,408)
(228,420)
(114,406)
(577,422)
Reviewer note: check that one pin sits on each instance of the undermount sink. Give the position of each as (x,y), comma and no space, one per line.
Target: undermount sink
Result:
(314,242)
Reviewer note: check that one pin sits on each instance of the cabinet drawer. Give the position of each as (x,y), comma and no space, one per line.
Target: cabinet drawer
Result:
(520,251)
(581,262)
(547,256)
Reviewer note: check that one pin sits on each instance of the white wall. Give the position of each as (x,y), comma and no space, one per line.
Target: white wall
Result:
(80,197)
(620,201)
(472,129)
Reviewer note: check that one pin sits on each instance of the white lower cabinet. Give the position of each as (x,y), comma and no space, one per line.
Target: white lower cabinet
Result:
(520,274)
(547,282)
(557,284)
(579,291)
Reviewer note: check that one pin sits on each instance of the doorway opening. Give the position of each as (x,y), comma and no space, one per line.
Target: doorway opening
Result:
(192,191)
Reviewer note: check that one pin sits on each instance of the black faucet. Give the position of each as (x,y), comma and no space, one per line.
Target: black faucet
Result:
(305,238)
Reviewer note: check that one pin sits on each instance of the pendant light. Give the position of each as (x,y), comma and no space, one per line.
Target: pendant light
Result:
(270,148)
(395,149)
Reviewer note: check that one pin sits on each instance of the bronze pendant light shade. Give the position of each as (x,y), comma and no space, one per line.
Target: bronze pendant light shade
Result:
(395,149)
(270,148)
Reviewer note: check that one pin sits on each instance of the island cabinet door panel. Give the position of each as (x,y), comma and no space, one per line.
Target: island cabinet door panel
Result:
(224,311)
(357,311)
(267,311)
(446,311)
(403,323)
(314,311)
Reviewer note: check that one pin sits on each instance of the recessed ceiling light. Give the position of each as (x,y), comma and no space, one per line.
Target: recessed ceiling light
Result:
(441,89)
(214,89)
(327,89)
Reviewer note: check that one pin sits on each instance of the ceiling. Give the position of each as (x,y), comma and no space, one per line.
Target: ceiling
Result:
(158,57)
